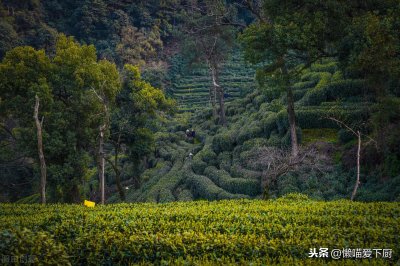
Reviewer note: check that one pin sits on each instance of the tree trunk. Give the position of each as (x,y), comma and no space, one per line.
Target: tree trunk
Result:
(213,91)
(101,163)
(40,151)
(118,173)
(222,118)
(220,94)
(291,114)
(358,166)
(212,101)
(292,123)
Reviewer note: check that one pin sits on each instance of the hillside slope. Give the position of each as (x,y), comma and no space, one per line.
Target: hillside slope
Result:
(227,163)
(190,86)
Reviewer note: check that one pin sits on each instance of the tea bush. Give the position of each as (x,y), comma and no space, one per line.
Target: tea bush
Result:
(228,232)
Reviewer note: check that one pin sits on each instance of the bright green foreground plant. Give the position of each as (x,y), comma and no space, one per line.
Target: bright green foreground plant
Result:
(202,232)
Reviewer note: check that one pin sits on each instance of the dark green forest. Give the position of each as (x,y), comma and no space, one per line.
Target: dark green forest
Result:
(175,100)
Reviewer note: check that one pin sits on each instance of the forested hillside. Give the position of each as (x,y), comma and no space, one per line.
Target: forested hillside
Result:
(98,100)
(199,132)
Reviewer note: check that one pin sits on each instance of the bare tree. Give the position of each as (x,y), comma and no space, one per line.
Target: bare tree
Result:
(358,134)
(275,162)
(40,151)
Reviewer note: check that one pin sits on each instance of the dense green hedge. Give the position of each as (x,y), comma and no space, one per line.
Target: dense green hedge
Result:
(222,178)
(185,195)
(239,172)
(223,142)
(317,117)
(202,187)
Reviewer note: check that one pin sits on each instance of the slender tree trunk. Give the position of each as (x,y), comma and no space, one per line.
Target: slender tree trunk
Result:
(291,115)
(118,172)
(219,91)
(101,163)
(212,101)
(222,116)
(292,123)
(358,166)
(213,91)
(40,151)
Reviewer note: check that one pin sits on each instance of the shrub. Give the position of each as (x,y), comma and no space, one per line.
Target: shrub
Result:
(234,185)
(226,195)
(319,93)
(225,160)
(316,117)
(344,89)
(240,172)
(275,106)
(165,195)
(337,76)
(258,100)
(282,122)
(311,76)
(319,134)
(249,131)
(207,155)
(169,181)
(254,142)
(167,136)
(223,142)
(330,67)
(185,195)
(274,140)
(294,197)
(269,124)
(39,247)
(202,187)
(304,85)
(198,165)
(228,232)
(298,94)
(161,166)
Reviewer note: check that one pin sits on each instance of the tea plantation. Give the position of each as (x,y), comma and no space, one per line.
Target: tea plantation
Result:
(190,86)
(245,232)
(220,167)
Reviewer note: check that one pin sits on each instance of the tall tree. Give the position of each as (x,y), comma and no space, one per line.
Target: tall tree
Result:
(43,170)
(102,78)
(91,91)
(286,35)
(24,76)
(209,40)
(137,108)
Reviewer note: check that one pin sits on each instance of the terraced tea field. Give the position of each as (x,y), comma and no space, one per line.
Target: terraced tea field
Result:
(191,86)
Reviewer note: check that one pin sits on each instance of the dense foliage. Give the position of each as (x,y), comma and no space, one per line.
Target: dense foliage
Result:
(78,93)
(308,62)
(219,233)
(269,99)
(228,162)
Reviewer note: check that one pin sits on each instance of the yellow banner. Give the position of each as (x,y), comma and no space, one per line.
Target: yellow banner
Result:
(88,203)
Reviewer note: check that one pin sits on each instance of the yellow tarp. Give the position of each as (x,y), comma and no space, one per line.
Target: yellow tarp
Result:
(88,203)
